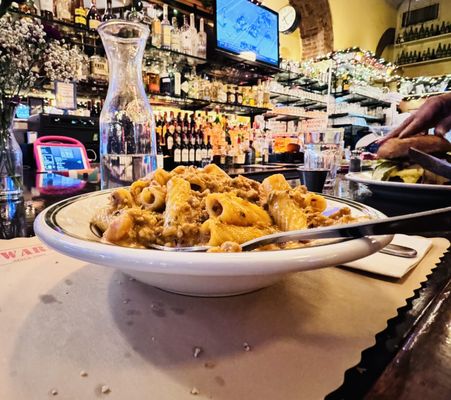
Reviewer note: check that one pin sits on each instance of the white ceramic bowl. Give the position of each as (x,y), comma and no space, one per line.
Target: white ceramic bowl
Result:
(65,227)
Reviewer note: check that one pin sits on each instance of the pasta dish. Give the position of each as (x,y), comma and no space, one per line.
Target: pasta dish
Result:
(192,206)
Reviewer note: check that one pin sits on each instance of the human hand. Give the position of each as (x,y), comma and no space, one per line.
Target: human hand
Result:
(435,112)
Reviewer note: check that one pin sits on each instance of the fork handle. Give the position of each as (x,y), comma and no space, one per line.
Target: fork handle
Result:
(408,224)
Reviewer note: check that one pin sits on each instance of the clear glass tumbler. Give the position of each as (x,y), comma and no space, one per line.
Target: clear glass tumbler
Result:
(127,127)
(323,150)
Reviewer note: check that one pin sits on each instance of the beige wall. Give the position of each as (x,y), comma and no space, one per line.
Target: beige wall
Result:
(290,45)
(355,23)
(360,22)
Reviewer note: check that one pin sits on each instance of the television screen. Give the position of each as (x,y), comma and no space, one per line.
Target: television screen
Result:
(242,26)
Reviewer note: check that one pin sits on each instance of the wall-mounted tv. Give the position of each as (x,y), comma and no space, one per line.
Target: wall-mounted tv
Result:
(242,27)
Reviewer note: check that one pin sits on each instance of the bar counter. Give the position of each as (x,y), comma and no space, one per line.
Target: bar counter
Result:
(409,359)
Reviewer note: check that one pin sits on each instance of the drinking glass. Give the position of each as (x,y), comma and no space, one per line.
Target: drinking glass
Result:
(323,150)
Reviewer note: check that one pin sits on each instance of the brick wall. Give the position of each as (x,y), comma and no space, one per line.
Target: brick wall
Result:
(315,26)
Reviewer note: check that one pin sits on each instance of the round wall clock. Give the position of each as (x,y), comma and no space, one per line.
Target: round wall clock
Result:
(288,19)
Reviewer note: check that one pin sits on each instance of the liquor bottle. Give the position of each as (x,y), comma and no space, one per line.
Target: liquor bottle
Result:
(177,151)
(165,29)
(80,14)
(46,7)
(154,79)
(135,15)
(427,32)
(185,150)
(433,56)
(443,28)
(93,17)
(175,36)
(185,38)
(108,14)
(193,34)
(64,10)
(99,68)
(148,16)
(156,32)
(165,81)
(177,83)
(201,41)
(28,7)
(231,95)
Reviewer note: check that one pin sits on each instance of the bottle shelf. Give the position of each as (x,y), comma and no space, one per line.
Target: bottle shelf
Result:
(311,85)
(189,103)
(435,60)
(364,100)
(282,117)
(420,95)
(151,53)
(423,40)
(369,118)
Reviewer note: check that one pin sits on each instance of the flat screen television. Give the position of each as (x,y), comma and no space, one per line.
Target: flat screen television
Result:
(242,26)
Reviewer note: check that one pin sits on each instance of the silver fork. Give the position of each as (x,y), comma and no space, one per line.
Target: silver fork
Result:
(407,224)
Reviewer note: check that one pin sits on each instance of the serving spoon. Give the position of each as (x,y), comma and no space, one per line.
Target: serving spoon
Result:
(407,224)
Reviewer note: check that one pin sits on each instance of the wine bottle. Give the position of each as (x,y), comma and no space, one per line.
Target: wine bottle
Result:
(439,51)
(165,81)
(46,7)
(421,33)
(165,29)
(177,151)
(93,18)
(185,150)
(199,149)
(108,14)
(209,148)
(191,150)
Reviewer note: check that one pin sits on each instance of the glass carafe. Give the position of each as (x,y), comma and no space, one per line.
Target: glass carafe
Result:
(127,129)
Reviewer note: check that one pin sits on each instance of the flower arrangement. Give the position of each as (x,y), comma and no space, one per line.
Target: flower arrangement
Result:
(27,53)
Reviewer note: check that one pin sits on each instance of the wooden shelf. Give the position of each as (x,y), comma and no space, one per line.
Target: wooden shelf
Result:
(435,60)
(428,39)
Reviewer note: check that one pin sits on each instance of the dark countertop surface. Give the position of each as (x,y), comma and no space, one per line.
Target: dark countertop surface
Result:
(411,358)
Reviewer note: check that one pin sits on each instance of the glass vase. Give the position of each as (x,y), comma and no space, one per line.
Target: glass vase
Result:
(11,164)
(127,127)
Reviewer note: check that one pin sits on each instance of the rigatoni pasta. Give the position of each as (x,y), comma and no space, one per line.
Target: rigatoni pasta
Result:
(192,206)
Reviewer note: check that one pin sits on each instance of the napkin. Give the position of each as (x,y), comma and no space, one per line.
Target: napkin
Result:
(394,266)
